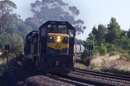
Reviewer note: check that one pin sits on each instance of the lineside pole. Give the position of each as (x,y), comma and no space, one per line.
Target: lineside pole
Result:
(90,57)
(90,47)
(7,58)
(7,52)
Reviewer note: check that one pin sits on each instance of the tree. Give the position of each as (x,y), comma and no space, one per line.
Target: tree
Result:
(12,28)
(94,31)
(103,49)
(114,32)
(128,33)
(54,10)
(9,21)
(93,35)
(6,7)
(98,34)
(16,44)
(101,34)
(3,39)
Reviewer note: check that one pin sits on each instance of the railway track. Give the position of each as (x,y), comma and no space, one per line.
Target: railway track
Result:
(99,78)
(76,78)
(104,74)
(70,80)
(92,78)
(88,81)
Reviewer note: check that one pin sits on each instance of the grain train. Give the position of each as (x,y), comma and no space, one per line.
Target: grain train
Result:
(51,47)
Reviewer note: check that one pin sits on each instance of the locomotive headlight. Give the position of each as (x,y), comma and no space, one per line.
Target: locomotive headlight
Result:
(58,38)
(50,37)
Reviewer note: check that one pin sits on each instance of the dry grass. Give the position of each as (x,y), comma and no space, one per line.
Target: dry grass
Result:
(81,66)
(111,62)
(118,65)
(101,60)
(2,61)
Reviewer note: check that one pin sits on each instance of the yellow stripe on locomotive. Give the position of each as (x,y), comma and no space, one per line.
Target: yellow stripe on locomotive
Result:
(58,41)
(58,46)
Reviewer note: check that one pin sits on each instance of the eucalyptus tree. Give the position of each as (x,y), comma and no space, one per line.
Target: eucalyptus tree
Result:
(102,31)
(11,27)
(98,34)
(114,32)
(55,10)
(6,7)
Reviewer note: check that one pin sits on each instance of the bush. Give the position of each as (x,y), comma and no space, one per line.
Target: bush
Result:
(103,50)
(16,44)
(85,54)
(126,55)
(113,48)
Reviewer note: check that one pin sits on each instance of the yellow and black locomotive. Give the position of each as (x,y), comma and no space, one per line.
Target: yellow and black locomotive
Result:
(50,49)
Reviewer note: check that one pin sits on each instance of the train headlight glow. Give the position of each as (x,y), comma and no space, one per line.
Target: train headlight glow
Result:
(50,37)
(58,38)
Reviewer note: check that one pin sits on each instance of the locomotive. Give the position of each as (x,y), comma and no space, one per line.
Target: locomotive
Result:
(50,48)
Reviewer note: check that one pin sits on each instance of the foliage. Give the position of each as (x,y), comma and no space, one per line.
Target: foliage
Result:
(126,54)
(16,43)
(98,34)
(114,32)
(103,49)
(96,68)
(85,54)
(55,10)
(3,38)
(109,39)
(6,7)
(12,28)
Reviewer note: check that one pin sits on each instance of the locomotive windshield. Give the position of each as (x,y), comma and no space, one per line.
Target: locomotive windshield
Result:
(57,29)
(62,29)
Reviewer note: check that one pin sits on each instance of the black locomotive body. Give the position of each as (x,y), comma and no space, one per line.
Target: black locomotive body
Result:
(51,48)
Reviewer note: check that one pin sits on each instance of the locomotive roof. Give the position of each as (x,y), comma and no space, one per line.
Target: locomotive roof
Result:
(32,33)
(57,23)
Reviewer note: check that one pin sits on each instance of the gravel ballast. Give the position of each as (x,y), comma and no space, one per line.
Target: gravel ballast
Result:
(40,80)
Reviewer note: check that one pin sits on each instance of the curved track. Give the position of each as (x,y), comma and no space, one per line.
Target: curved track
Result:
(104,74)
(99,78)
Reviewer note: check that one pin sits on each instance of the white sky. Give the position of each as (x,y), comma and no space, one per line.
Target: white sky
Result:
(93,12)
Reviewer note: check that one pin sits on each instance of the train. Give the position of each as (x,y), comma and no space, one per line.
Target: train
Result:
(78,48)
(51,47)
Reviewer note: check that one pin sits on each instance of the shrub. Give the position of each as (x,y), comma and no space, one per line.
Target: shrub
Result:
(103,50)
(126,55)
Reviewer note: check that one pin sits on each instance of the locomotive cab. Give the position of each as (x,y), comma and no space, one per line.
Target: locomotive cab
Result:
(28,43)
(31,46)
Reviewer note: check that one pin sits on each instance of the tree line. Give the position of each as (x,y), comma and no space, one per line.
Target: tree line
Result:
(108,39)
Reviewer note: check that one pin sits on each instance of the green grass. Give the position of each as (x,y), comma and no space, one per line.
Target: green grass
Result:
(96,68)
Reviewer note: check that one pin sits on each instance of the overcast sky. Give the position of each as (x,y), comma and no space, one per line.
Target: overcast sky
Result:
(93,12)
